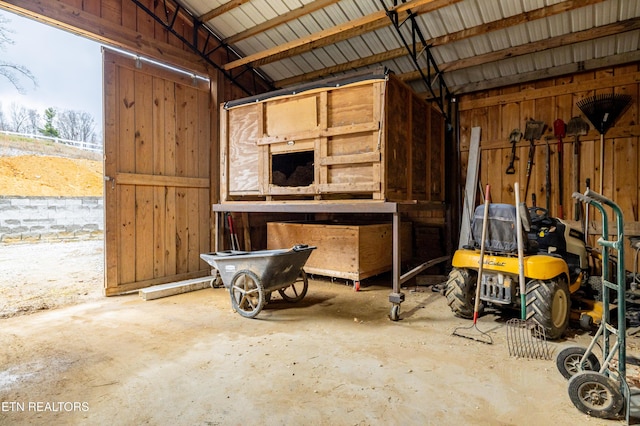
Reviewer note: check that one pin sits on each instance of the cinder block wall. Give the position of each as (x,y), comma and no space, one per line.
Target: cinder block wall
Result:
(34,219)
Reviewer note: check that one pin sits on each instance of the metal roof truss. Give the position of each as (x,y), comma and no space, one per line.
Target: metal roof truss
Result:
(420,53)
(206,50)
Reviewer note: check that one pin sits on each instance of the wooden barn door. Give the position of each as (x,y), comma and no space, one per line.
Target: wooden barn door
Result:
(157,174)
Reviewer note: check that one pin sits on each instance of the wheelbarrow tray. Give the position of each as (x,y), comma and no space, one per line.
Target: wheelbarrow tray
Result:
(276,268)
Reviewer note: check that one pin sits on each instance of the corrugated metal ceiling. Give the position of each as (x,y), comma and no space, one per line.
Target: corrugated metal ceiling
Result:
(477,44)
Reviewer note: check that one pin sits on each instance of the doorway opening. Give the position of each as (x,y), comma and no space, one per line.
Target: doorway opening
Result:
(51,169)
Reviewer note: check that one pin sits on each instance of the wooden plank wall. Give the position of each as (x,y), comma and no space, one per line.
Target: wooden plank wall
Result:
(499,111)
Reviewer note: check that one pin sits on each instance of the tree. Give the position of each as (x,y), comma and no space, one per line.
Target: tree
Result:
(87,127)
(15,73)
(49,129)
(19,118)
(34,120)
(3,123)
(76,125)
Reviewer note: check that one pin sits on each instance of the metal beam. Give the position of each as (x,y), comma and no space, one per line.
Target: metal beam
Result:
(204,51)
(418,51)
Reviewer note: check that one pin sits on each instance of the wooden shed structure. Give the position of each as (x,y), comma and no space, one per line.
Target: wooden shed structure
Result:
(457,65)
(364,136)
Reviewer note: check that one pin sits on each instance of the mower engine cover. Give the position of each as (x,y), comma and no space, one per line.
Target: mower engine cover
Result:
(501,235)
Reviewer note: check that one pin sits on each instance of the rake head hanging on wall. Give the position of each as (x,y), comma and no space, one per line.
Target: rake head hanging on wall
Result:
(603,110)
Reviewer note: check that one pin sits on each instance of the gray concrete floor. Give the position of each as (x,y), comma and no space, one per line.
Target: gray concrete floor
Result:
(332,359)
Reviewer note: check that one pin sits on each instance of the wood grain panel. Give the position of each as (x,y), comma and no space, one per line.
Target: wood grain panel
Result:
(398,134)
(350,105)
(243,156)
(291,115)
(111,92)
(421,162)
(352,144)
(205,195)
(162,177)
(349,251)
(350,174)
(111,10)
(161,139)
(436,158)
(625,154)
(170,141)
(125,161)
(545,112)
(144,245)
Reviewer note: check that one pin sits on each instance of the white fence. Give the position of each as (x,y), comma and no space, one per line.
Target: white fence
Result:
(88,146)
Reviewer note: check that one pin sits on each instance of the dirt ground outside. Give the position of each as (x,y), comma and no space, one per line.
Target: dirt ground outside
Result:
(332,359)
(41,276)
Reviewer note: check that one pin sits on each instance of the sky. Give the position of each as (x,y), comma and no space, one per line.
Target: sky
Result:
(68,69)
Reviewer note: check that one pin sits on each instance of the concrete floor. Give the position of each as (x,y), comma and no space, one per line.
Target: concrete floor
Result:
(332,359)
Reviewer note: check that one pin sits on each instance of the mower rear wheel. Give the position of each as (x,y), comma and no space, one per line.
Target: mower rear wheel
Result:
(549,305)
(460,292)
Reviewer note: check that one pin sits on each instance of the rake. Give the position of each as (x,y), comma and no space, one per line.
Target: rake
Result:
(602,111)
(525,339)
(473,332)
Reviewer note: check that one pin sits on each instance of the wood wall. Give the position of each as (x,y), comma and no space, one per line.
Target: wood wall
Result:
(497,112)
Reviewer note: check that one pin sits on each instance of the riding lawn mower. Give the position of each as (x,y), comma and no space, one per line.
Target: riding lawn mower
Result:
(556,268)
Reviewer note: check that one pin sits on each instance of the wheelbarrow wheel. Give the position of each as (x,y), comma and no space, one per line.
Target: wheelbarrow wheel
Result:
(247,294)
(596,395)
(568,361)
(216,282)
(296,291)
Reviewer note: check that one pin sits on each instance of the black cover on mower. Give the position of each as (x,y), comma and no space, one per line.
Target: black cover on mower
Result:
(501,236)
(549,234)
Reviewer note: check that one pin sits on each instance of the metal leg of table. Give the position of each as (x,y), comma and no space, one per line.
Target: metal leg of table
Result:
(216,227)
(396,297)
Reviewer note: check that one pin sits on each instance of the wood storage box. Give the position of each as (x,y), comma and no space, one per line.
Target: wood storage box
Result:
(349,251)
(360,137)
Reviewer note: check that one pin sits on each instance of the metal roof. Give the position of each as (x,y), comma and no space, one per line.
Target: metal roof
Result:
(475,44)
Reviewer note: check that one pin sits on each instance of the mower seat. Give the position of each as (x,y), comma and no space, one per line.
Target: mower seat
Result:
(501,234)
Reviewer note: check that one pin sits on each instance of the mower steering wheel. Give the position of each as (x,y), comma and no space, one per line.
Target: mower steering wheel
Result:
(538,214)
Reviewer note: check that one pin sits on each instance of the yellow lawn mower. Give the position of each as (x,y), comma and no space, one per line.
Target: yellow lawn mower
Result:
(556,268)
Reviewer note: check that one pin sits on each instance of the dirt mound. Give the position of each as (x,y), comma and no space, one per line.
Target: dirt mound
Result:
(31,175)
(30,168)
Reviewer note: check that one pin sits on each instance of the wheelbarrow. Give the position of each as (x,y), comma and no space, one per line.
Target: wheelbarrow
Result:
(251,276)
